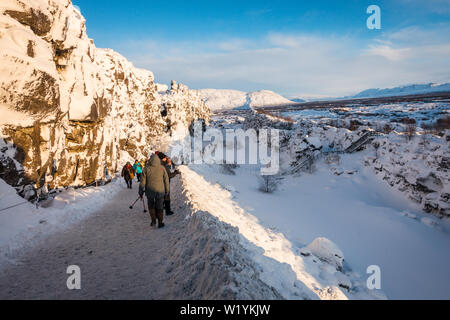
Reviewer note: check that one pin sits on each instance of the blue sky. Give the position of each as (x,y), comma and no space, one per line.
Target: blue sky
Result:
(297,48)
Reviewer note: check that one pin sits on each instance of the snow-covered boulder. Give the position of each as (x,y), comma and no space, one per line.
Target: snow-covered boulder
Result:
(327,251)
(314,141)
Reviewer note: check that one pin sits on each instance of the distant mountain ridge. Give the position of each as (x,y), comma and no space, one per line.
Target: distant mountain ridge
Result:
(404,90)
(218,99)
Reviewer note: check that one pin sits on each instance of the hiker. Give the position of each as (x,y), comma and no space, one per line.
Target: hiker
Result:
(168,165)
(128,174)
(138,169)
(155,184)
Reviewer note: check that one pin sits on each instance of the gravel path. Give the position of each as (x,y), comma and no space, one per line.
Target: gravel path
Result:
(120,256)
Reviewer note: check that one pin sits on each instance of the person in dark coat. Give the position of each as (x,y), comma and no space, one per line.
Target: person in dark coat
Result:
(155,184)
(128,174)
(168,165)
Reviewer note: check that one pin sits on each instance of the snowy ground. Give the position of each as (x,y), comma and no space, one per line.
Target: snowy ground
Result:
(281,264)
(370,223)
(369,215)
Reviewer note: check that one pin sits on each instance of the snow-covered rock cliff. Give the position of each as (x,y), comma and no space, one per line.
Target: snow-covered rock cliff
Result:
(73,113)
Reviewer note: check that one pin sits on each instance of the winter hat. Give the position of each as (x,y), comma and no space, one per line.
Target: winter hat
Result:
(162,155)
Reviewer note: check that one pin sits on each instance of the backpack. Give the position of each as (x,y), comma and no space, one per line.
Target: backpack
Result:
(130,172)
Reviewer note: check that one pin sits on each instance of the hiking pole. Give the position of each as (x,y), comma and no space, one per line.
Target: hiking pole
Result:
(131,207)
(143,202)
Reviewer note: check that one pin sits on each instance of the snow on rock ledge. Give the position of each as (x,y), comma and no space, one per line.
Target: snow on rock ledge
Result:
(72,113)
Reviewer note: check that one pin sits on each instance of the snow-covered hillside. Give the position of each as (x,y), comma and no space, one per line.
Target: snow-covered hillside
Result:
(404,90)
(72,113)
(217,99)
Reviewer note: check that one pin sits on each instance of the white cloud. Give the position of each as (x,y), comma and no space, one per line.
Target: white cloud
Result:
(388,52)
(296,64)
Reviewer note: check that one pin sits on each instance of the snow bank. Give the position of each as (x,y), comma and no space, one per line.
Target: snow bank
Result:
(278,264)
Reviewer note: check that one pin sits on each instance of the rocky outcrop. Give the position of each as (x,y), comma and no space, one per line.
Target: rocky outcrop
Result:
(418,168)
(72,114)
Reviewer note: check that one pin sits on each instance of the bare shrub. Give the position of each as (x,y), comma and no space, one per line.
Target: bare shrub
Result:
(408,121)
(354,125)
(437,127)
(410,130)
(387,128)
(268,184)
(228,169)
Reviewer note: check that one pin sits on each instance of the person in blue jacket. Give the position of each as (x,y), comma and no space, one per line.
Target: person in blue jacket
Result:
(138,169)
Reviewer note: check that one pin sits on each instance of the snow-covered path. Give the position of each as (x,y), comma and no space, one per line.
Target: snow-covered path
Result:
(120,256)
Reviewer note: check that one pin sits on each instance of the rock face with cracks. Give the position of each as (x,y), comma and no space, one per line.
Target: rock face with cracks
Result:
(72,114)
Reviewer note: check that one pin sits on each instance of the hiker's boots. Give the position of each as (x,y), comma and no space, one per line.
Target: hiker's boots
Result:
(169,211)
(157,215)
(160,215)
(153,216)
